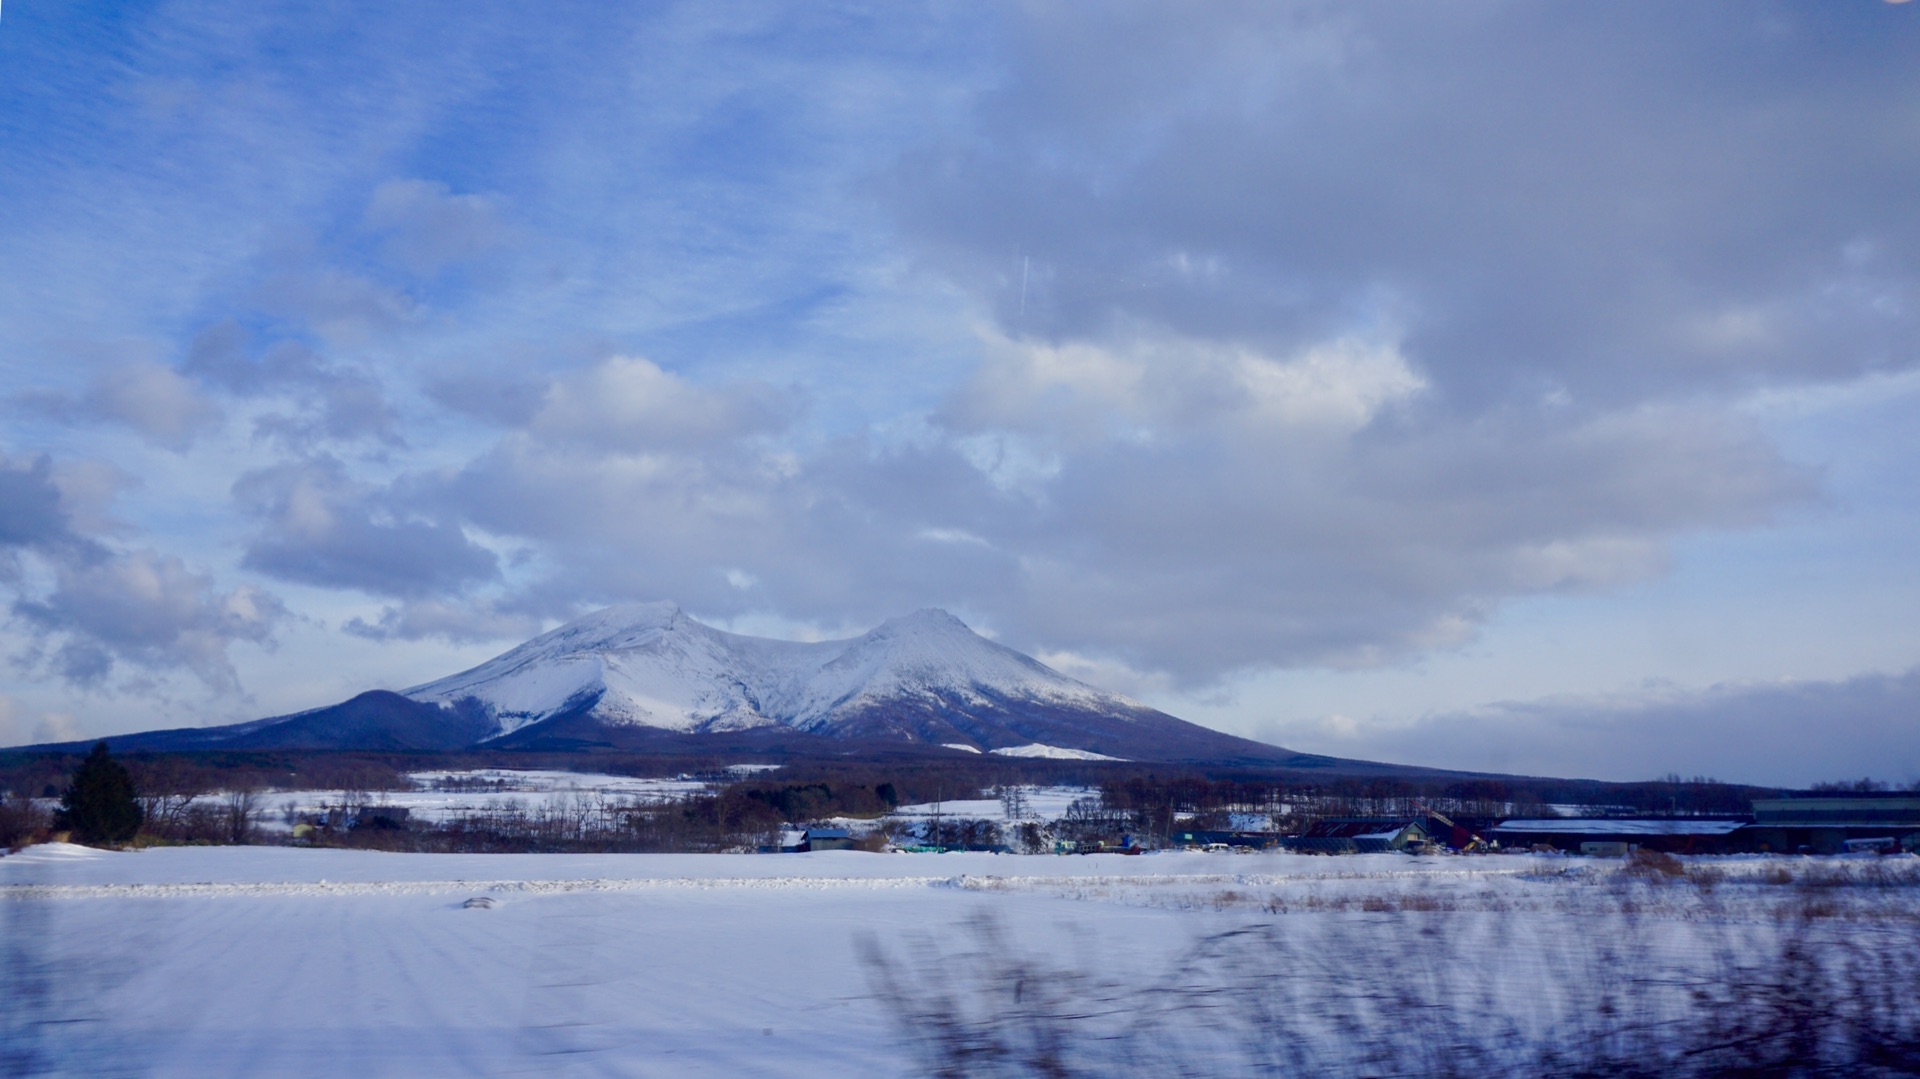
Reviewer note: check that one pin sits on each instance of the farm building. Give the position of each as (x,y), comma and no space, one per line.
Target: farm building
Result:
(1617,835)
(1362,835)
(1827,823)
(828,839)
(1190,837)
(380,816)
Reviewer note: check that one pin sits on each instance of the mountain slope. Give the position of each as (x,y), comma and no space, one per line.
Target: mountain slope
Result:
(375,720)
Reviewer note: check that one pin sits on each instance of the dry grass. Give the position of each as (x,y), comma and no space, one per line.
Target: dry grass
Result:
(1653,865)
(1374,996)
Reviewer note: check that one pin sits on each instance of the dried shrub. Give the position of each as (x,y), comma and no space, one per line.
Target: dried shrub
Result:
(22,821)
(1650,864)
(1705,877)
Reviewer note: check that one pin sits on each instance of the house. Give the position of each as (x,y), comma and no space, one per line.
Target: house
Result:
(1615,836)
(1826,823)
(828,839)
(788,840)
(1363,835)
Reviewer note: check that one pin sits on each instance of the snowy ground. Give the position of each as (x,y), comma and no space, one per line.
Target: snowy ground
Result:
(283,961)
(490,790)
(1042,804)
(486,790)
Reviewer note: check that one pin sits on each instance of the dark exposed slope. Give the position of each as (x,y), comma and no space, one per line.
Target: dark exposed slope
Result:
(376,720)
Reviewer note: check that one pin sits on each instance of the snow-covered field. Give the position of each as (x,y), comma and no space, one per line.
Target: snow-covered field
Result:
(482,790)
(444,796)
(1041,803)
(287,962)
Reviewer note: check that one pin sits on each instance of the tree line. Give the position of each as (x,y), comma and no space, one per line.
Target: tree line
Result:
(217,797)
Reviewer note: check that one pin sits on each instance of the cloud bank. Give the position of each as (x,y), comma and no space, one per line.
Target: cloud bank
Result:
(1788,734)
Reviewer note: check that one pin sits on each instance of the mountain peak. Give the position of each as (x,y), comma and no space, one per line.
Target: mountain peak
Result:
(927,619)
(650,665)
(656,615)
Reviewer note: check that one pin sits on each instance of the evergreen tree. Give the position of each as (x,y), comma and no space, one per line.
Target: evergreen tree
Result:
(98,806)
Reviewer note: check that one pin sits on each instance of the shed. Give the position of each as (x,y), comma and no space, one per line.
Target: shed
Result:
(1825,823)
(1616,835)
(382,817)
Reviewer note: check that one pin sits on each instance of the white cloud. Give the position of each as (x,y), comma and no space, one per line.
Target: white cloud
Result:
(952,535)
(321,527)
(1151,383)
(427,226)
(459,621)
(344,308)
(150,610)
(1338,386)
(56,727)
(630,403)
(167,409)
(1105,673)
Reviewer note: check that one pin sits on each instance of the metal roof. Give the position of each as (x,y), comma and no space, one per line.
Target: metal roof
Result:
(1908,825)
(1611,826)
(1357,827)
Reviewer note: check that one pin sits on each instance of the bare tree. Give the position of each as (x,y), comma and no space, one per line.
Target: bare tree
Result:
(20,819)
(166,789)
(240,811)
(1013,802)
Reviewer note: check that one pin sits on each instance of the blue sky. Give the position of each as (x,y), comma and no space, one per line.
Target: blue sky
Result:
(1496,386)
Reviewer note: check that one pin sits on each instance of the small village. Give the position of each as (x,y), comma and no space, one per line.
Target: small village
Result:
(1812,823)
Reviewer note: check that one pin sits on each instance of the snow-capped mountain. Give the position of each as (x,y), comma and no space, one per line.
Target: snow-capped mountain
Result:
(649,677)
(923,678)
(652,666)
